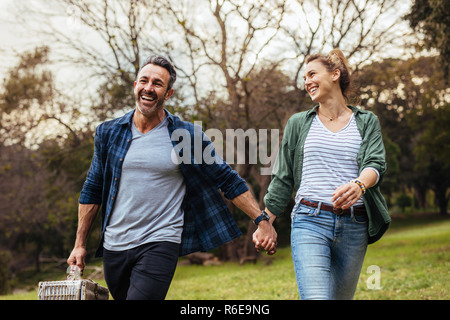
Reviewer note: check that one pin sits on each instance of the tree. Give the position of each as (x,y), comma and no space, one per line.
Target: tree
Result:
(432,19)
(409,96)
(392,179)
(432,152)
(26,211)
(363,30)
(36,197)
(29,101)
(102,41)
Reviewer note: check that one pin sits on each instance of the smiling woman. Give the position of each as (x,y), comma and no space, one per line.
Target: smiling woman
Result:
(336,63)
(333,157)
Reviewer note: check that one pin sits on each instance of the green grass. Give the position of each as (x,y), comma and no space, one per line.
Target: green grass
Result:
(270,278)
(414,263)
(413,259)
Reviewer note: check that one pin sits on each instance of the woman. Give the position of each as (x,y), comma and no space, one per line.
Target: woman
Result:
(333,157)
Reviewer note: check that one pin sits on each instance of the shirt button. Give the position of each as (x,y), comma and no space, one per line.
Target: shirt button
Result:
(121,159)
(112,198)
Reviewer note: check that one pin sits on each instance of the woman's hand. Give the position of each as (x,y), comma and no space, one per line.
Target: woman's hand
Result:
(265,237)
(346,195)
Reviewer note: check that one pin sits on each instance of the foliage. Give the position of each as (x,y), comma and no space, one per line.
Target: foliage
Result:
(403,201)
(432,18)
(410,98)
(432,154)
(27,88)
(391,178)
(40,176)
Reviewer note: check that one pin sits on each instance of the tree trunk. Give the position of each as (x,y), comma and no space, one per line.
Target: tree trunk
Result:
(230,251)
(442,200)
(420,193)
(37,254)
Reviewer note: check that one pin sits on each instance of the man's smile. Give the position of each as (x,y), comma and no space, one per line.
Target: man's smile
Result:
(148,97)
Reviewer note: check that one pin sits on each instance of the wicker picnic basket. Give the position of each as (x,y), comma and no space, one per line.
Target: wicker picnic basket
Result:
(72,290)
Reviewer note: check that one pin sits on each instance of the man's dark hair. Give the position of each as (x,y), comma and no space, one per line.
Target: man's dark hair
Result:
(164,63)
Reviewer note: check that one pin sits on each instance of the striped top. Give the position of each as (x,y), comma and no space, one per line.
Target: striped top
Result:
(329,161)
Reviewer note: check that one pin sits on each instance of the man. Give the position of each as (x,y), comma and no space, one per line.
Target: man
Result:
(154,208)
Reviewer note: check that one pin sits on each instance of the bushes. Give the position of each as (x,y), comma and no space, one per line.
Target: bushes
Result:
(403,201)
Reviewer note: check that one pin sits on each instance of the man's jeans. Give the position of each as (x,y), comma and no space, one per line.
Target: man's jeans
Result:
(141,273)
(328,252)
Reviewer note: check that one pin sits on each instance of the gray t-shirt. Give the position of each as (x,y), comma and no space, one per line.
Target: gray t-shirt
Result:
(151,192)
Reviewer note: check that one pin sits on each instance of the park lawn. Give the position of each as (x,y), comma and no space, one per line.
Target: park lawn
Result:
(271,278)
(413,263)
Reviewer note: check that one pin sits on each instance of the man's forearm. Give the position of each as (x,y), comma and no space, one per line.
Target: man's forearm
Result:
(265,237)
(86,217)
(247,203)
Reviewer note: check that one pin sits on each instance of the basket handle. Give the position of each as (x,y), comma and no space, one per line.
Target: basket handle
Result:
(73,273)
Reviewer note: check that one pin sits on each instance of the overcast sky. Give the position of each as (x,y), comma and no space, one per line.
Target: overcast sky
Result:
(15,39)
(10,37)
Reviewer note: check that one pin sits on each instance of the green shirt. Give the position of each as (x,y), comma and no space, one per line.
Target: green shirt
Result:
(288,168)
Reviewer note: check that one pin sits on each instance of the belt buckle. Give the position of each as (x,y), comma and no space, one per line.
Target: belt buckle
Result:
(338,211)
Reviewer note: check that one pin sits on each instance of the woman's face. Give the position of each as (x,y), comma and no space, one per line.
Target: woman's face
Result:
(319,82)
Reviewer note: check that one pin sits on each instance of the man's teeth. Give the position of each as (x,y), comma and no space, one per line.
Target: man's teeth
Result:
(148,98)
(312,90)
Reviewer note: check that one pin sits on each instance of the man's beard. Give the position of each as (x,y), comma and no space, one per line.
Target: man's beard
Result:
(159,102)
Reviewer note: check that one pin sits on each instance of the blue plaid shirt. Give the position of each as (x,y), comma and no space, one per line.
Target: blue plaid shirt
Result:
(207,220)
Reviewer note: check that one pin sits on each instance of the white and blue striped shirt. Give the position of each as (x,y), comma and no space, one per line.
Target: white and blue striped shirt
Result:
(329,161)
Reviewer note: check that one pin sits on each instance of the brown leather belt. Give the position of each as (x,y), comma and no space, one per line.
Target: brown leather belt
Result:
(357,211)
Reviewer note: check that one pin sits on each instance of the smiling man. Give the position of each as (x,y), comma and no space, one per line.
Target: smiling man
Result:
(155,209)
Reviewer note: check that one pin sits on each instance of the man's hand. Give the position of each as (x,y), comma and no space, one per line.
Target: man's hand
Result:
(265,237)
(76,258)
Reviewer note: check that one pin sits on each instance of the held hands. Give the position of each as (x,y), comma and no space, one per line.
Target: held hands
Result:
(265,237)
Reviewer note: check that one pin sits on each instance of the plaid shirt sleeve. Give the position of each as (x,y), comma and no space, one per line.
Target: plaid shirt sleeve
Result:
(208,222)
(93,186)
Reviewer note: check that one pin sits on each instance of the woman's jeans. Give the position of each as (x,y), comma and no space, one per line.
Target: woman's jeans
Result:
(328,252)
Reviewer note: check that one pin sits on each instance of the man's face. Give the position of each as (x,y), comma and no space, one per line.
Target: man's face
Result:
(150,89)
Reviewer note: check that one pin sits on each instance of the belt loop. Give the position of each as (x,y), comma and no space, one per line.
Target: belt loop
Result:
(317,211)
(294,211)
(298,205)
(352,214)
